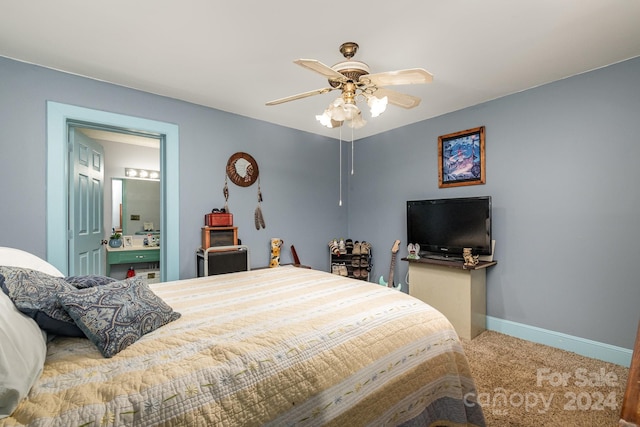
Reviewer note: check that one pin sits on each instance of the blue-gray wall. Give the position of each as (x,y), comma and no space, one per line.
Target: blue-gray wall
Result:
(298,171)
(561,167)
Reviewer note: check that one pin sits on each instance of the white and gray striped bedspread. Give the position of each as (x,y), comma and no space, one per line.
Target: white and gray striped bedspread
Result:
(282,346)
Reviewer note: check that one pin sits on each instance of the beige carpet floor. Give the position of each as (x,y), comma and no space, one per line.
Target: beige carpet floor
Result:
(524,384)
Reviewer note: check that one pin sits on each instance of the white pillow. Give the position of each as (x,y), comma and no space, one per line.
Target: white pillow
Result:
(22,355)
(18,258)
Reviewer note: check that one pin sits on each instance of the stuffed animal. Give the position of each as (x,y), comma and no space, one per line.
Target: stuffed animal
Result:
(276,244)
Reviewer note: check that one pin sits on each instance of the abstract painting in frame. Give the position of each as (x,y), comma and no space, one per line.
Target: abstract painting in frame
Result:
(461,158)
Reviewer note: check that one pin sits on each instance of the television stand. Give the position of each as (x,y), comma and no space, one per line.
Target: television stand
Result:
(458,292)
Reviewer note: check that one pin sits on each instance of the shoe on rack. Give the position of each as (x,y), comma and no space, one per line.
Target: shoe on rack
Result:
(365,247)
(355,261)
(356,248)
(335,269)
(364,261)
(333,247)
(343,270)
(348,245)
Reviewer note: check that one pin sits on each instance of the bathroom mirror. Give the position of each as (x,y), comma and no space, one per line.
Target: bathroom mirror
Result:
(135,203)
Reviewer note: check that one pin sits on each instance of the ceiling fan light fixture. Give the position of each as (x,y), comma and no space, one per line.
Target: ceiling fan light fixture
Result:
(324,119)
(357,121)
(336,110)
(351,111)
(354,80)
(377,105)
(340,111)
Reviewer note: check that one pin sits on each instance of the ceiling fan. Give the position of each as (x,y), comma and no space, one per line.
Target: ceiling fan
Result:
(353,79)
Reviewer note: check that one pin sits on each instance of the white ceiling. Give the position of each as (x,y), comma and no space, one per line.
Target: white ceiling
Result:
(123,138)
(237,55)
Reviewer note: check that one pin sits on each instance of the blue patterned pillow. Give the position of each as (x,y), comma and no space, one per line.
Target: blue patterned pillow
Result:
(88,281)
(117,314)
(34,294)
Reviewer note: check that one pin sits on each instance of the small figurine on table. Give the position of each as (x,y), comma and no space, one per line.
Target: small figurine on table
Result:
(276,244)
(414,250)
(469,259)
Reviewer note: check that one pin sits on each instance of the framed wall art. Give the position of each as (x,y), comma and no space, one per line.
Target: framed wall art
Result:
(242,169)
(461,158)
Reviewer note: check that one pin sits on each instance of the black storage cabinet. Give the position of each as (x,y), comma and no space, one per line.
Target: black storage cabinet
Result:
(221,260)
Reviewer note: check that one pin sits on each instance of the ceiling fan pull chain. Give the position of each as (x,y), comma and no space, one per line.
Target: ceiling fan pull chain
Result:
(340,148)
(352,151)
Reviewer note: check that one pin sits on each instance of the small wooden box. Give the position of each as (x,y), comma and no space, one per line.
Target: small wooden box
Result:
(218,220)
(219,236)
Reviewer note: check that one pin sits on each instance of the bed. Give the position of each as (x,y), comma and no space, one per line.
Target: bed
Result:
(281,346)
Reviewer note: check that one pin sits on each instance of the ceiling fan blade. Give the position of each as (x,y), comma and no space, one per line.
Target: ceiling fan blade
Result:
(400,77)
(300,96)
(321,68)
(396,98)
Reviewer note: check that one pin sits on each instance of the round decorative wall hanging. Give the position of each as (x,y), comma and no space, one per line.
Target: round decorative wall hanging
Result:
(242,169)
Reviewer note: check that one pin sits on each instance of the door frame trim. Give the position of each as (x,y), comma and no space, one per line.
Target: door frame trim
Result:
(57,178)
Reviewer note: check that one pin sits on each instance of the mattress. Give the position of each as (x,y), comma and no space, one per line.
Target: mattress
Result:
(281,346)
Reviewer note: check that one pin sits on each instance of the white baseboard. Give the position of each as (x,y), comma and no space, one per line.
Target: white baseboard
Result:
(593,349)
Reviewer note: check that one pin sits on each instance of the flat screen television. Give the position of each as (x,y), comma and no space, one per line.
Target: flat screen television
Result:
(443,227)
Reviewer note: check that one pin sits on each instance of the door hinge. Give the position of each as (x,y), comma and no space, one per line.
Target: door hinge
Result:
(69,234)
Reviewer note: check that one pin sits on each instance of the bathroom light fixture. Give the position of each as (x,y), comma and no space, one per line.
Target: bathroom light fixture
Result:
(141,173)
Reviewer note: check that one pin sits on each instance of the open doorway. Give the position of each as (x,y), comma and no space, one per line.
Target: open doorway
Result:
(59,116)
(127,203)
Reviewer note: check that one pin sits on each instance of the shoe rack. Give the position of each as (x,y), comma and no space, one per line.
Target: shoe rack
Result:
(350,258)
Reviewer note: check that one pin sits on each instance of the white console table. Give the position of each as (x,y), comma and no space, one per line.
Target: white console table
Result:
(457,292)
